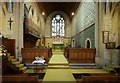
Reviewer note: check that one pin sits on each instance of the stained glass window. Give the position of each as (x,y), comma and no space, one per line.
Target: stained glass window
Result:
(58,26)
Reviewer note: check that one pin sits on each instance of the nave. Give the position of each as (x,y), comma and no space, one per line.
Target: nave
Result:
(58,69)
(60,41)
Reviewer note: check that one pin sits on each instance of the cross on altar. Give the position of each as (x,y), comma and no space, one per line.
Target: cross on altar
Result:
(10,22)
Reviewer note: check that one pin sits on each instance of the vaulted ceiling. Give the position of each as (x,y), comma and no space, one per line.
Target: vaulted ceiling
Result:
(67,7)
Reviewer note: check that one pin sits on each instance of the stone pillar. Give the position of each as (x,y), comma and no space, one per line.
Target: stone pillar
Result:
(101,46)
(119,36)
(97,61)
(19,17)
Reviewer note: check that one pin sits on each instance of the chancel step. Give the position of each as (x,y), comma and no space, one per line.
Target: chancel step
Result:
(83,66)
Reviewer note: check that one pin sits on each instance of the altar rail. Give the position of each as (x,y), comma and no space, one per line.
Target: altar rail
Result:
(29,54)
(80,55)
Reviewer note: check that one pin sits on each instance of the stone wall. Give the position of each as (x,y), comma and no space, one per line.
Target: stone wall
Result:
(83,24)
(88,33)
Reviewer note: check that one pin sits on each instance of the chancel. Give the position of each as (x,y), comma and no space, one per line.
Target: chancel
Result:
(74,42)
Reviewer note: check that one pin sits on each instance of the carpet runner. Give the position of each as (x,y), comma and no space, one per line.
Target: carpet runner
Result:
(58,70)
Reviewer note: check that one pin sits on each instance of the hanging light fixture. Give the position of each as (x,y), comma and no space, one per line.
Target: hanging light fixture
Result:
(73,13)
(43,13)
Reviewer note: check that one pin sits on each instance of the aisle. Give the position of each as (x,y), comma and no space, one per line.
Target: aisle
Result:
(58,70)
(58,59)
(57,51)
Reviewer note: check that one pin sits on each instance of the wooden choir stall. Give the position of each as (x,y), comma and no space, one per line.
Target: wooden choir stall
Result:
(80,55)
(29,54)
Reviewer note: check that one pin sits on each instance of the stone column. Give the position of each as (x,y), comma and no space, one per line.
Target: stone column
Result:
(97,61)
(119,35)
(19,18)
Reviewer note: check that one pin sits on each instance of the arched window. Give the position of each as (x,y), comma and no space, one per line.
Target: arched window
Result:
(58,26)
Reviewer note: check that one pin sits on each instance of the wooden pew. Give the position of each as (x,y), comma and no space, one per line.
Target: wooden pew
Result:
(29,54)
(81,55)
(100,79)
(20,79)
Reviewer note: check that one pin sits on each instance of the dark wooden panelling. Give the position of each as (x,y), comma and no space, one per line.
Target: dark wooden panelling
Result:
(10,45)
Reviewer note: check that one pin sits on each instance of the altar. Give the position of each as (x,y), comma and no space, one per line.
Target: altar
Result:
(58,46)
(57,42)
